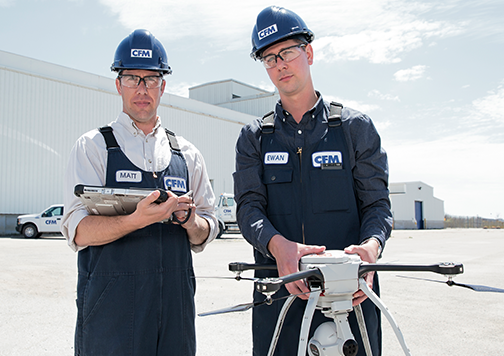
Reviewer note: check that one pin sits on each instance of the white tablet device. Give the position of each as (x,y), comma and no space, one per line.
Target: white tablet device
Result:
(113,201)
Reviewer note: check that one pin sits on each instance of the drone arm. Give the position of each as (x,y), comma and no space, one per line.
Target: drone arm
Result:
(272,285)
(240,266)
(441,268)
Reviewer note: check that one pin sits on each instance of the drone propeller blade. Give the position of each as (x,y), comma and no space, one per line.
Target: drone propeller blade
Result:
(474,287)
(247,306)
(236,308)
(477,287)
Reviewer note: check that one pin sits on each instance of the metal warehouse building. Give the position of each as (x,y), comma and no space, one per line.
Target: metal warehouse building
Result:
(44,108)
(236,96)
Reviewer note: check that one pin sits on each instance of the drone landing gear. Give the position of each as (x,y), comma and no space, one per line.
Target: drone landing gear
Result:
(330,338)
(378,302)
(335,337)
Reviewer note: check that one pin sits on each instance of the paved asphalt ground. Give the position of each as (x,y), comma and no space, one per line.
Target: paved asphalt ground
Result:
(38,279)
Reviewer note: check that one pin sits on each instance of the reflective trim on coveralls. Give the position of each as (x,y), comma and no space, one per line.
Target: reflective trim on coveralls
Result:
(135,296)
(322,204)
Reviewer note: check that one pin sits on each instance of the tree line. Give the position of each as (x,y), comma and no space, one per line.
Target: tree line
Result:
(469,222)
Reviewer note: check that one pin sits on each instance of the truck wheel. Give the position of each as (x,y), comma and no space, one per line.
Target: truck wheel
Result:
(30,231)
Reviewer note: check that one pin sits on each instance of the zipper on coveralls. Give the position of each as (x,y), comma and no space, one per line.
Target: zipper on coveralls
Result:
(300,155)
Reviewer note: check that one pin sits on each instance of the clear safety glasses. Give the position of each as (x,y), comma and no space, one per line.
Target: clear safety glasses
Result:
(133,81)
(287,54)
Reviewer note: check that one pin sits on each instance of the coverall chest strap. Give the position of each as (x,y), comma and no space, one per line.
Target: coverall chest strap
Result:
(334,119)
(109,137)
(111,141)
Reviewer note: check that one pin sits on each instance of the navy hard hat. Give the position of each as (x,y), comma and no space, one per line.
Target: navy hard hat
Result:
(275,24)
(141,50)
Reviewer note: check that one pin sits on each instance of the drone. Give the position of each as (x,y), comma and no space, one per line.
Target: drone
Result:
(333,277)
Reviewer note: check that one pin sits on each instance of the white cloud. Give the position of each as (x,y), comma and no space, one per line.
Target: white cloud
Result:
(356,105)
(413,73)
(381,126)
(376,94)
(375,46)
(491,106)
(382,42)
(220,22)
(267,85)
(179,88)
(379,31)
(464,170)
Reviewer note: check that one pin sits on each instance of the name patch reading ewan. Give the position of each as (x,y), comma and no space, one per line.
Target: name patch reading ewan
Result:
(141,53)
(276,158)
(327,158)
(129,176)
(175,184)
(267,31)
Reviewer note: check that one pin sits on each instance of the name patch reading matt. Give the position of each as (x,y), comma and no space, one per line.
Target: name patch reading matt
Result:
(129,176)
(327,158)
(276,158)
(175,184)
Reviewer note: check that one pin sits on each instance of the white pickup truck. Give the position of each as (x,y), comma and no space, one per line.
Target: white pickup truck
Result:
(225,211)
(48,221)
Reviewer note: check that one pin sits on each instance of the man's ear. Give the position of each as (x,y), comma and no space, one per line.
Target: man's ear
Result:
(163,87)
(309,53)
(118,86)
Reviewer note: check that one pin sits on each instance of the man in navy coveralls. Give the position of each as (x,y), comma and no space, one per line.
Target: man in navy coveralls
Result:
(306,182)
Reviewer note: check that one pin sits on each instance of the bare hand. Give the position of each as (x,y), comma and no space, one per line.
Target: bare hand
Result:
(367,252)
(287,255)
(185,207)
(149,212)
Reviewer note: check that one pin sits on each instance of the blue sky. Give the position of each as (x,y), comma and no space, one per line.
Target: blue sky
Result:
(430,74)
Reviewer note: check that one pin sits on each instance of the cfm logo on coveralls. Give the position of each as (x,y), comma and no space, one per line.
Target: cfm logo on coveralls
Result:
(326,158)
(141,53)
(175,184)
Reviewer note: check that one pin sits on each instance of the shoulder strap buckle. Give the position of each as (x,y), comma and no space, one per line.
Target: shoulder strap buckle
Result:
(334,119)
(173,140)
(268,123)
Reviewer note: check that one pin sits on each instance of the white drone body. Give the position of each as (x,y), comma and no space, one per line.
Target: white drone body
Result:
(340,271)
